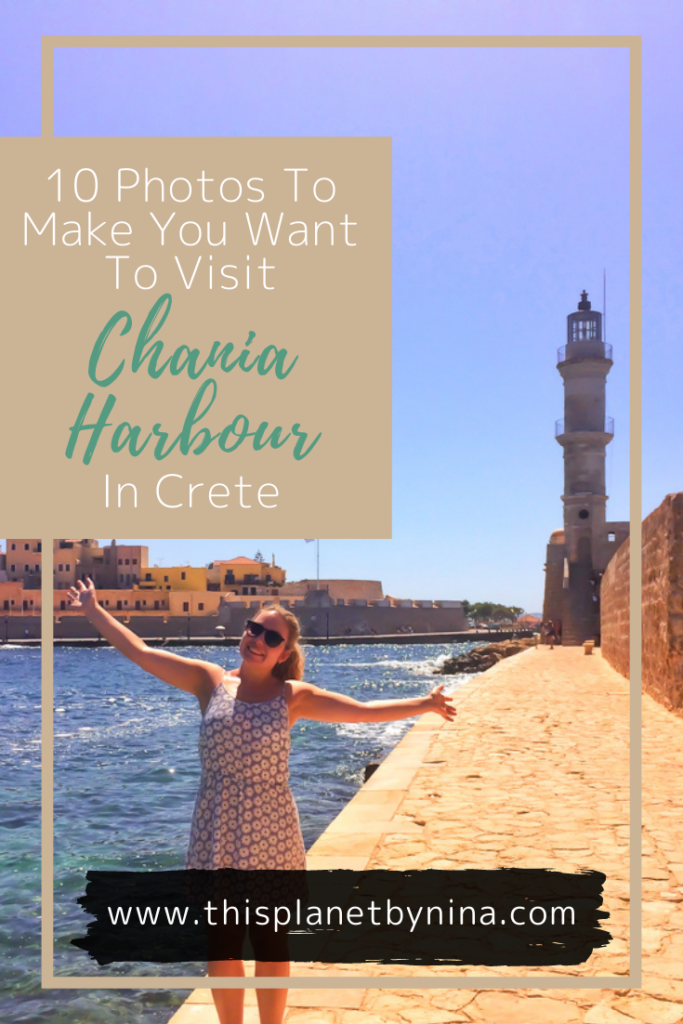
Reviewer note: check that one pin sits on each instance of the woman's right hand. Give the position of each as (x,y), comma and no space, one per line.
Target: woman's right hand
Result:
(83,596)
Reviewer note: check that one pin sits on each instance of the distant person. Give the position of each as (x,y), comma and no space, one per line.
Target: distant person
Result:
(549,633)
(244,816)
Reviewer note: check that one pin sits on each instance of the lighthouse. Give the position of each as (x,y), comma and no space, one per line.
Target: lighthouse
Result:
(578,554)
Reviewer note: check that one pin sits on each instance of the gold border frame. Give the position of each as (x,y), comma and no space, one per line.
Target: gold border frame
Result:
(634,978)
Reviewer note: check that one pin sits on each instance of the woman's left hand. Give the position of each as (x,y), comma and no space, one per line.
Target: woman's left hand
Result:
(441,704)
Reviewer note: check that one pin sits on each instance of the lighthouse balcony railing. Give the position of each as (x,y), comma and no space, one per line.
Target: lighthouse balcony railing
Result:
(584,349)
(608,428)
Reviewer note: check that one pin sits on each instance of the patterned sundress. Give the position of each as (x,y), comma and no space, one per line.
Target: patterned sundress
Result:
(245,816)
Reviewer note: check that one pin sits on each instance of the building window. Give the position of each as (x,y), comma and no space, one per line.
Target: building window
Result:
(182,576)
(27,568)
(68,567)
(62,605)
(12,568)
(186,606)
(156,605)
(611,537)
(165,579)
(201,606)
(40,546)
(27,547)
(134,561)
(128,561)
(584,513)
(120,561)
(14,547)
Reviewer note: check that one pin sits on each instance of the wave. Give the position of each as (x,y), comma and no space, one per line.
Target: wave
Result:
(382,732)
(425,667)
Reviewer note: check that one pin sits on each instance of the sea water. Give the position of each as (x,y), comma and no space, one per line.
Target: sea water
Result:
(125,775)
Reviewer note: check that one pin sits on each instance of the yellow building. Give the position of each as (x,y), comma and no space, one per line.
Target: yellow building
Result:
(176,577)
(133,601)
(199,602)
(245,576)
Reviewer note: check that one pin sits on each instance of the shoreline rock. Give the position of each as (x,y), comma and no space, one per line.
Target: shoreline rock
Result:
(481,658)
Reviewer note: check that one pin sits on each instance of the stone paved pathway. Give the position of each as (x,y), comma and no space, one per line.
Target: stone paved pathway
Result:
(534,772)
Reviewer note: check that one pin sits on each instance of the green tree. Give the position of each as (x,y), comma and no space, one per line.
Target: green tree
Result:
(491,611)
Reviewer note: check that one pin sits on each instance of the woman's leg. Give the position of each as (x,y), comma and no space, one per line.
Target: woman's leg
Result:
(271,1001)
(229,1001)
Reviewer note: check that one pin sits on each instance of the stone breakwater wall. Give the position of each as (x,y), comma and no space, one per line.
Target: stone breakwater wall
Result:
(662,603)
(479,659)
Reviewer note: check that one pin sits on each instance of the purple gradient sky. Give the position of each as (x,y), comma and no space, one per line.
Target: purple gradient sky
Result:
(510,195)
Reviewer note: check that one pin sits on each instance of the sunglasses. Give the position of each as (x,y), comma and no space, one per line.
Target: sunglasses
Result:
(271,636)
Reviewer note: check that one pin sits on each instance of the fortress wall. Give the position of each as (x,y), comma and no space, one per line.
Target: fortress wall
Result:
(338,620)
(345,590)
(615,632)
(356,618)
(662,605)
(19,627)
(554,594)
(359,620)
(77,627)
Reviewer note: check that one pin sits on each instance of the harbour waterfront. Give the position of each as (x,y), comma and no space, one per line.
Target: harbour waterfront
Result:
(126,771)
(468,637)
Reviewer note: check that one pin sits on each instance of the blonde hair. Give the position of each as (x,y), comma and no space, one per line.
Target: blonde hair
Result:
(293,667)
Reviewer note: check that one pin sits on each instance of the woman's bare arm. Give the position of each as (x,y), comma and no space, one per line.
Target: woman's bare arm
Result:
(309,701)
(197,677)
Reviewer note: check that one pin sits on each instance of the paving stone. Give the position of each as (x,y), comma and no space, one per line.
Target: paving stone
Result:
(510,1008)
(649,1010)
(605,1013)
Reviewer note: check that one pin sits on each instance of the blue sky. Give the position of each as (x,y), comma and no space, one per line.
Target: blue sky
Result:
(510,193)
